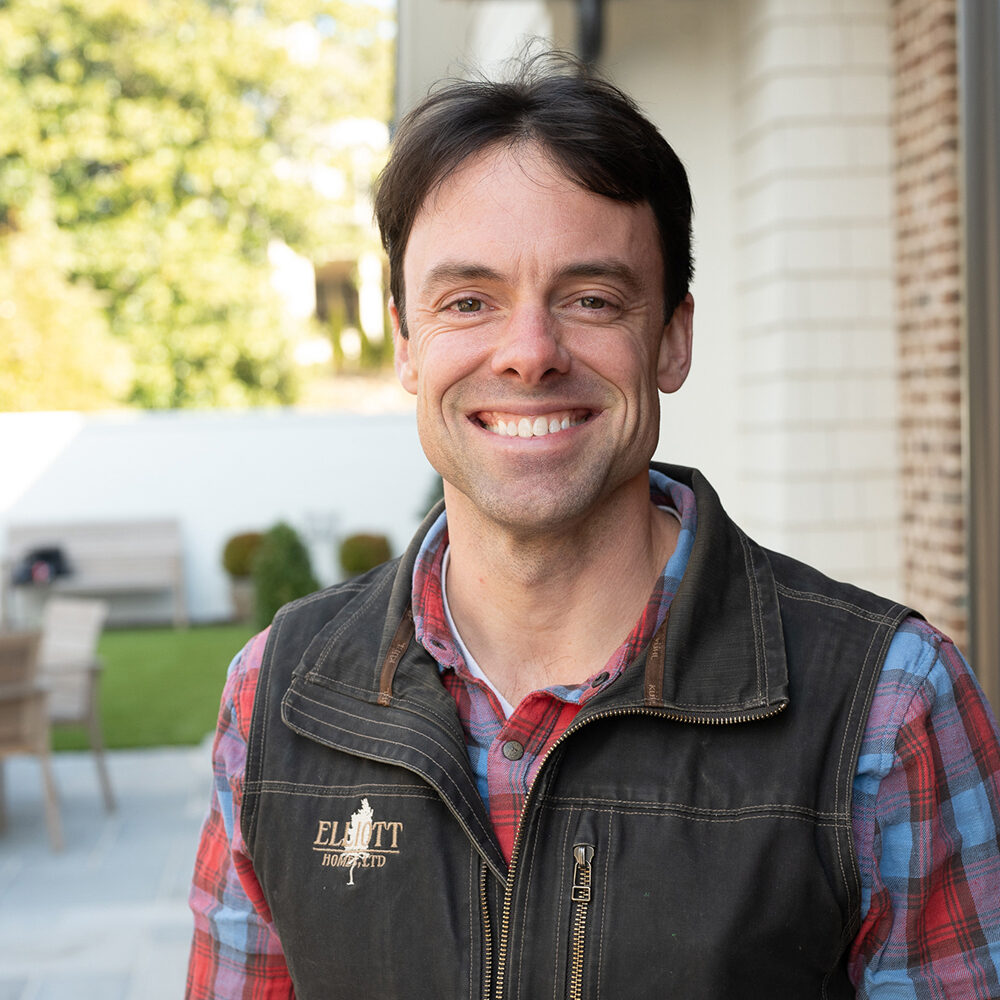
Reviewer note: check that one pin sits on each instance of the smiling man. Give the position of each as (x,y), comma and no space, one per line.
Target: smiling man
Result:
(586,738)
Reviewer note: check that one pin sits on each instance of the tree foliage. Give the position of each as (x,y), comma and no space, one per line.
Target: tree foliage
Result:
(150,153)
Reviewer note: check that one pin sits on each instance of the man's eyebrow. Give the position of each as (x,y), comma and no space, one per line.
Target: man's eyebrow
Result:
(617,270)
(451,272)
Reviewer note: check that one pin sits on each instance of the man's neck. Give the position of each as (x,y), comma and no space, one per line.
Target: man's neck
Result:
(538,610)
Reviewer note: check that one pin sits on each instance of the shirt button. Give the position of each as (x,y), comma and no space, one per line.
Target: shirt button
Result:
(513,750)
(599,679)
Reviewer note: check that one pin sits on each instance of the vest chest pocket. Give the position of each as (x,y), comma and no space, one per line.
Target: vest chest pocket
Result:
(377,886)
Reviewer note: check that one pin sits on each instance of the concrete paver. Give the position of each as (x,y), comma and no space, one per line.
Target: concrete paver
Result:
(107,917)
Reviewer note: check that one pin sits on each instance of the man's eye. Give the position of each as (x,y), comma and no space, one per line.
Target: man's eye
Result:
(467,305)
(593,302)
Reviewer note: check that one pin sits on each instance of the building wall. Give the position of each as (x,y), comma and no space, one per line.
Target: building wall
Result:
(818,414)
(928,293)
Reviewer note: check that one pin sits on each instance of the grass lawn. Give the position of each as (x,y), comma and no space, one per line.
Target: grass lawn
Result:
(160,687)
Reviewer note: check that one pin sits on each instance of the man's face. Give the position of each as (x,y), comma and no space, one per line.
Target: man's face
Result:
(536,340)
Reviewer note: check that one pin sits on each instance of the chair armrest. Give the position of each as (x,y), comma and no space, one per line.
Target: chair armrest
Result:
(18,692)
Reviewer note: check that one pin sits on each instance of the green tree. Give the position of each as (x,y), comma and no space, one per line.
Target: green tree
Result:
(160,147)
(55,347)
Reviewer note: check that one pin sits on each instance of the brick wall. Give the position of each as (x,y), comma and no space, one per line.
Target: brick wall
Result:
(818,417)
(928,301)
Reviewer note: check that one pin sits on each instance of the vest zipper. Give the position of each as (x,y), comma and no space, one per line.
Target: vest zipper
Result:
(583,855)
(514,855)
(487,933)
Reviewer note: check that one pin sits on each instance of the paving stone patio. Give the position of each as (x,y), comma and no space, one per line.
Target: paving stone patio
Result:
(107,918)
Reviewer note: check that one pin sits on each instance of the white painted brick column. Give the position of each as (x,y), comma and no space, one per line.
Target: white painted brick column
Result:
(818,403)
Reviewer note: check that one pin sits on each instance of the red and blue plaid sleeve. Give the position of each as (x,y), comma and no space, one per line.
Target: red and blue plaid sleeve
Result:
(927,829)
(235,952)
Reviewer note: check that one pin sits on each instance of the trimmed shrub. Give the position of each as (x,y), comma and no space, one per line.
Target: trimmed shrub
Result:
(281,572)
(237,556)
(360,553)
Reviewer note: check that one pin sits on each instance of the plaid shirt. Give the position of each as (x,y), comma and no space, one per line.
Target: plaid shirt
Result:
(926,803)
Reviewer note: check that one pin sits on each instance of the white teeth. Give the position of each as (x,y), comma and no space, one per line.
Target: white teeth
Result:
(528,427)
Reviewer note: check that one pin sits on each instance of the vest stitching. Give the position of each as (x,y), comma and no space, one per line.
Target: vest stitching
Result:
(755,614)
(571,801)
(853,733)
(368,736)
(604,909)
(743,814)
(472,895)
(375,594)
(486,834)
(342,687)
(272,640)
(360,718)
(847,884)
(255,744)
(694,705)
(887,637)
(853,609)
(558,929)
(323,791)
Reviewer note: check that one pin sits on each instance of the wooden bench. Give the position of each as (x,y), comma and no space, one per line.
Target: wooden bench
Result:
(105,558)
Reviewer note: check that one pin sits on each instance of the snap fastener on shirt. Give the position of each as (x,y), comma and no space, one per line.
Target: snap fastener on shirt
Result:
(513,750)
(599,679)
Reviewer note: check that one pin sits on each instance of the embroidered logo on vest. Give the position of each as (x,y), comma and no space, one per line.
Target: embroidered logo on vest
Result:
(365,842)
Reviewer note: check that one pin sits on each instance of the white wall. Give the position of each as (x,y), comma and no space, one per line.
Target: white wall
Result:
(328,474)
(817,428)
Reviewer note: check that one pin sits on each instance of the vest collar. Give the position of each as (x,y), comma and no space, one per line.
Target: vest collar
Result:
(719,657)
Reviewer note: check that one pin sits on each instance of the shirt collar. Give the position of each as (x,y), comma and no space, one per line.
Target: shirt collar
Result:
(431,620)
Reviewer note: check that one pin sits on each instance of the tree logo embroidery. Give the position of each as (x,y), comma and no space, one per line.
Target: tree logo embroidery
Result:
(358,837)
(364,843)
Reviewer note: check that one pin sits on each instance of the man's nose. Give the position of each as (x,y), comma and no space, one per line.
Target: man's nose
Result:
(530,346)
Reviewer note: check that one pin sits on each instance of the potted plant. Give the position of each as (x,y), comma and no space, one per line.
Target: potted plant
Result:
(237,560)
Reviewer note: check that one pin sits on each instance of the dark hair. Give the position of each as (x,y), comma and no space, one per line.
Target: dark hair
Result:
(589,127)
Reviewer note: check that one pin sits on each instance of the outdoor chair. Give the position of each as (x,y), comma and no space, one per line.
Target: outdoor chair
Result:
(71,670)
(24,723)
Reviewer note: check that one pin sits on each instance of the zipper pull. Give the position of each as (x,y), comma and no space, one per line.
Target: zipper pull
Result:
(582,854)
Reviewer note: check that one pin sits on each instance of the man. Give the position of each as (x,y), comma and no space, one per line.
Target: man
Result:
(586,738)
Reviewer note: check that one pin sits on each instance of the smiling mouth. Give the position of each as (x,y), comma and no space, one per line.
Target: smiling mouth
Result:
(540,425)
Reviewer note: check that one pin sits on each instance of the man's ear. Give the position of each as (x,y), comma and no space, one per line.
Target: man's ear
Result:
(405,370)
(674,361)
